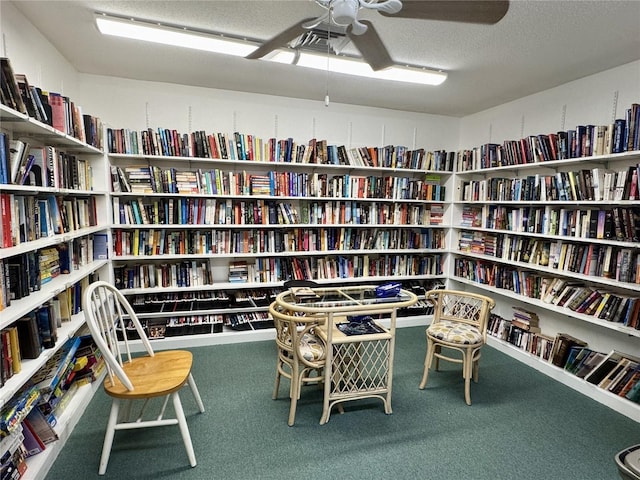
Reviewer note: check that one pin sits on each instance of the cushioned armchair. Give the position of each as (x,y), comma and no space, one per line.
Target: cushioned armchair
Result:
(457,333)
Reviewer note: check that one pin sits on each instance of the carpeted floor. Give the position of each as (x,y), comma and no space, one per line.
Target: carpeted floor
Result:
(522,425)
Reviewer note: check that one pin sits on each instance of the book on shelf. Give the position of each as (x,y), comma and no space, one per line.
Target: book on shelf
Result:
(561,347)
(48,377)
(28,336)
(11,95)
(303,293)
(525,320)
(626,371)
(32,442)
(604,372)
(17,408)
(41,427)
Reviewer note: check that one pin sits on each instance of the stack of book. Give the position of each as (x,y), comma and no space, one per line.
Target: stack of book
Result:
(238,272)
(525,320)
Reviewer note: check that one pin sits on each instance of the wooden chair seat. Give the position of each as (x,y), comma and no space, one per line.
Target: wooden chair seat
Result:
(164,373)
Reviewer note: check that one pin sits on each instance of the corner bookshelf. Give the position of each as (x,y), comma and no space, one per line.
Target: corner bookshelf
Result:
(527,232)
(271,221)
(86,202)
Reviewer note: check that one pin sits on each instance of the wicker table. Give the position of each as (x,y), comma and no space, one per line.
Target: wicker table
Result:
(358,365)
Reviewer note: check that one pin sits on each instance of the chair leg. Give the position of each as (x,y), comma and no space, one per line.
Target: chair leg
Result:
(428,359)
(196,393)
(437,349)
(294,393)
(108,436)
(276,386)
(476,367)
(184,428)
(467,372)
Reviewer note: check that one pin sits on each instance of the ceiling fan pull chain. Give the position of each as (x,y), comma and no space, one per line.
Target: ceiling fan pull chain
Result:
(326,94)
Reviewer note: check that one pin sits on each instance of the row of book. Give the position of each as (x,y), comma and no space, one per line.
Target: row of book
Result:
(583,141)
(26,218)
(26,273)
(50,108)
(207,242)
(260,270)
(574,296)
(593,259)
(32,333)
(619,223)
(355,266)
(615,372)
(240,146)
(23,274)
(210,211)
(152,179)
(595,184)
(152,275)
(24,164)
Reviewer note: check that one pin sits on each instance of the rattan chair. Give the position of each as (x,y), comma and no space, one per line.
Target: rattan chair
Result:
(301,354)
(459,325)
(138,379)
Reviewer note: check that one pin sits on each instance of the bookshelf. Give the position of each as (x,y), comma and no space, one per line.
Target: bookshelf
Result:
(558,236)
(52,227)
(226,233)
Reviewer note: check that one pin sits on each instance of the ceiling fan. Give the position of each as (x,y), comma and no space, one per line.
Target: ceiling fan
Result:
(344,14)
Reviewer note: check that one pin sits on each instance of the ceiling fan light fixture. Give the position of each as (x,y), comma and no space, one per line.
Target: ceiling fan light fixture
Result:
(174,36)
(344,11)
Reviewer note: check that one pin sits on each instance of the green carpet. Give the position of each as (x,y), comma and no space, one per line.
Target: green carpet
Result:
(522,425)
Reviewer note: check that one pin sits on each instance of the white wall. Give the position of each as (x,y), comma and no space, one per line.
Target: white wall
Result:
(137,105)
(32,54)
(589,100)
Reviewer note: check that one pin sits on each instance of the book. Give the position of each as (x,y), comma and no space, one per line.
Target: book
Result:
(561,348)
(607,365)
(359,326)
(47,378)
(588,363)
(28,337)
(11,96)
(303,293)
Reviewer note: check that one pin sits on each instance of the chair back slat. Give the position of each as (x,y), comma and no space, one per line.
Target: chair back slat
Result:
(108,312)
(463,307)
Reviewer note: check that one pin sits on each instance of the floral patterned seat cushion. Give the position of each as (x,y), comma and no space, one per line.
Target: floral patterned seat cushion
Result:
(455,332)
(311,348)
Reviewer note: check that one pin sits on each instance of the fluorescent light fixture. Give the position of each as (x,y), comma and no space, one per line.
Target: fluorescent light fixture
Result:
(148,32)
(218,43)
(353,66)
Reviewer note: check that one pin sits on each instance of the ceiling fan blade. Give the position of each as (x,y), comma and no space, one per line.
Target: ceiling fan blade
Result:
(370,46)
(467,11)
(280,40)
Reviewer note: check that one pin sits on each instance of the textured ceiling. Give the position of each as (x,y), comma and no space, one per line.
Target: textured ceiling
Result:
(536,46)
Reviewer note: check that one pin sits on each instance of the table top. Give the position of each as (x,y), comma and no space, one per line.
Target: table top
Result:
(343,299)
